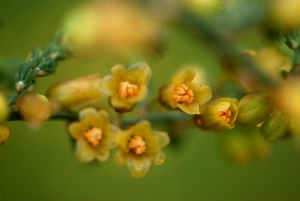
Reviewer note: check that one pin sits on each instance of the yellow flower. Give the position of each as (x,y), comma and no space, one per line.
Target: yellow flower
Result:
(126,87)
(285,13)
(94,135)
(79,91)
(3,108)
(185,94)
(219,114)
(139,147)
(4,133)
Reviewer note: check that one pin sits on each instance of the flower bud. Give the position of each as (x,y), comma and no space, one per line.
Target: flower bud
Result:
(275,126)
(35,109)
(3,108)
(4,134)
(76,92)
(253,109)
(219,114)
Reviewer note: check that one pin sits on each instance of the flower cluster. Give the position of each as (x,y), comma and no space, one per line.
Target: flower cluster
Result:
(138,146)
(95,136)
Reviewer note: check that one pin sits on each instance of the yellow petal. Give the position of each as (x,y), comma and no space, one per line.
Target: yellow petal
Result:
(222,106)
(139,73)
(84,152)
(119,158)
(139,168)
(102,154)
(202,93)
(87,112)
(140,96)
(159,158)
(184,78)
(191,108)
(119,71)
(76,130)
(109,85)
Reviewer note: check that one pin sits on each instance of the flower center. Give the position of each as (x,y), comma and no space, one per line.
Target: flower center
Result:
(137,144)
(225,115)
(182,94)
(93,135)
(127,90)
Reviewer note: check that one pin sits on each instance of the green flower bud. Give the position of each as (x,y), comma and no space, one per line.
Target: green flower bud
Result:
(219,114)
(253,109)
(4,134)
(275,126)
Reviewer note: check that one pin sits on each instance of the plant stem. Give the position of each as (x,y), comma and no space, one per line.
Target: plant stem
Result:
(73,116)
(12,99)
(159,118)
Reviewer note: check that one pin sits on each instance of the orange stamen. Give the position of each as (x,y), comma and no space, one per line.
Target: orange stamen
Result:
(93,136)
(137,144)
(225,115)
(127,90)
(183,94)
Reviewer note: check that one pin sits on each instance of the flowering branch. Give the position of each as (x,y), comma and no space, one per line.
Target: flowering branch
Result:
(73,116)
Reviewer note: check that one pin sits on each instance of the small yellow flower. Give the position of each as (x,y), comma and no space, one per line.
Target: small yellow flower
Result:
(3,108)
(4,133)
(285,14)
(74,92)
(126,87)
(94,135)
(219,114)
(185,94)
(139,147)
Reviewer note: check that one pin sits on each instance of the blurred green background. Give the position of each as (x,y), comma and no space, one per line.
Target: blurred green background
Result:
(39,165)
